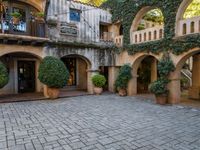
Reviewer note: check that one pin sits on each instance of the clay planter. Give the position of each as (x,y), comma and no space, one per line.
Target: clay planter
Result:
(161,99)
(16,20)
(51,93)
(98,90)
(122,92)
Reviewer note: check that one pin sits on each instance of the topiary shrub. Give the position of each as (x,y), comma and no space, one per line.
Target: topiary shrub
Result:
(159,87)
(123,77)
(53,72)
(4,76)
(99,80)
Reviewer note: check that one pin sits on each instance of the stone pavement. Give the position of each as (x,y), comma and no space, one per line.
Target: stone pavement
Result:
(98,123)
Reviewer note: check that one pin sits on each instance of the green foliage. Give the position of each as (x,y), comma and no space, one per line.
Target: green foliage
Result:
(193,9)
(125,11)
(154,15)
(123,77)
(159,87)
(16,15)
(165,66)
(53,72)
(4,76)
(40,14)
(99,80)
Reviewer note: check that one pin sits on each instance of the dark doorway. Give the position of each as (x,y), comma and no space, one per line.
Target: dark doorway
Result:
(104,71)
(26,76)
(71,66)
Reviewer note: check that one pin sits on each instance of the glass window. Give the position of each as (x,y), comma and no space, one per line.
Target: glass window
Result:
(75,15)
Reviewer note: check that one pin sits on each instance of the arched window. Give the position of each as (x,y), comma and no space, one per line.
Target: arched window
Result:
(160,33)
(184,28)
(145,36)
(136,38)
(155,35)
(140,37)
(192,27)
(149,36)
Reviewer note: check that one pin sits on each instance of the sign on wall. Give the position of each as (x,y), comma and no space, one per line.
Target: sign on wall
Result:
(68,29)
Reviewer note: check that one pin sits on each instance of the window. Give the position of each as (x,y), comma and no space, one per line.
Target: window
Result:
(75,15)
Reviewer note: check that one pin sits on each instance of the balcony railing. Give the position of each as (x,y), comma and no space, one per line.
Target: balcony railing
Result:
(107,36)
(146,35)
(34,28)
(188,26)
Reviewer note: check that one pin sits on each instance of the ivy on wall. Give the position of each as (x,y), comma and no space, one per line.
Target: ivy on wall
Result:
(126,10)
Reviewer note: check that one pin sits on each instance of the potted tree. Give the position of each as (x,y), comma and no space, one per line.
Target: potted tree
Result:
(159,88)
(54,74)
(16,17)
(4,76)
(99,81)
(40,16)
(123,78)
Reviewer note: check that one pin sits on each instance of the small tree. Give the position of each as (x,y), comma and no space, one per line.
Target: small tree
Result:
(53,72)
(123,77)
(4,76)
(99,80)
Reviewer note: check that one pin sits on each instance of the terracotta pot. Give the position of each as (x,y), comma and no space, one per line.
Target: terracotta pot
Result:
(16,21)
(51,93)
(122,92)
(161,99)
(98,90)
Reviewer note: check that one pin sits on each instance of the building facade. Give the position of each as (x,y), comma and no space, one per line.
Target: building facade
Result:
(86,39)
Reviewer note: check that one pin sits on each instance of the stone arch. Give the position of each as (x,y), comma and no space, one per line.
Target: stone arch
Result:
(132,88)
(174,85)
(38,4)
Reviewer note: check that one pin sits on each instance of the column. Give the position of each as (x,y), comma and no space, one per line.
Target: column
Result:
(154,70)
(194,91)
(90,86)
(112,76)
(174,96)
(132,86)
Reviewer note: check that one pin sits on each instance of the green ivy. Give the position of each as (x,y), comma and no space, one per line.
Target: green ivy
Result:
(126,10)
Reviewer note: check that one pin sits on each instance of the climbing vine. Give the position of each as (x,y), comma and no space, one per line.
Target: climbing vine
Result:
(126,10)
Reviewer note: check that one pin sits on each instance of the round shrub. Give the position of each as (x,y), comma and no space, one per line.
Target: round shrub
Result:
(159,87)
(4,76)
(123,77)
(98,80)
(53,72)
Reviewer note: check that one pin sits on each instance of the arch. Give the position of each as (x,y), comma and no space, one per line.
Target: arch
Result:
(182,8)
(38,4)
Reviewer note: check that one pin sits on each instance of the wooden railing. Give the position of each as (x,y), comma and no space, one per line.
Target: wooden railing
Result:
(146,35)
(188,26)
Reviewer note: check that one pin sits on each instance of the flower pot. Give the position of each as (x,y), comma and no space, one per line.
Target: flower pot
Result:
(98,90)
(122,92)
(161,99)
(16,20)
(51,93)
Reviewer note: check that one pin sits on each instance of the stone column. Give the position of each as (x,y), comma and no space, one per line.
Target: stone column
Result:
(112,76)
(194,91)
(174,88)
(90,86)
(154,70)
(132,86)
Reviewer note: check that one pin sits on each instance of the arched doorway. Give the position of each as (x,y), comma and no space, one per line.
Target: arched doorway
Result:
(185,80)
(148,25)
(22,68)
(144,72)
(78,67)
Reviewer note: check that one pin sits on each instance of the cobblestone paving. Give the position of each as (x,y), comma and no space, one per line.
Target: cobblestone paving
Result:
(98,123)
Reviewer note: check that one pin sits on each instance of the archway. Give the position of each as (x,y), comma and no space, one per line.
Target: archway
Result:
(147,25)
(185,80)
(188,18)
(78,67)
(137,85)
(23,73)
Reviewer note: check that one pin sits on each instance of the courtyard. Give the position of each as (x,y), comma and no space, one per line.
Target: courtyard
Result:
(97,123)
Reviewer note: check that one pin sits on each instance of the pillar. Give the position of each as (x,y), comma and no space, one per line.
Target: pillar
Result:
(112,76)
(154,70)
(132,85)
(174,96)
(194,91)
(90,86)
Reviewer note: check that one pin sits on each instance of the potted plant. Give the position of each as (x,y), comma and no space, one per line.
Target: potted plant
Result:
(99,81)
(159,88)
(54,74)
(123,78)
(4,76)
(16,17)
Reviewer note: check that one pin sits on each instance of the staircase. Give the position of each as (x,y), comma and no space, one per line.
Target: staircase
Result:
(188,74)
